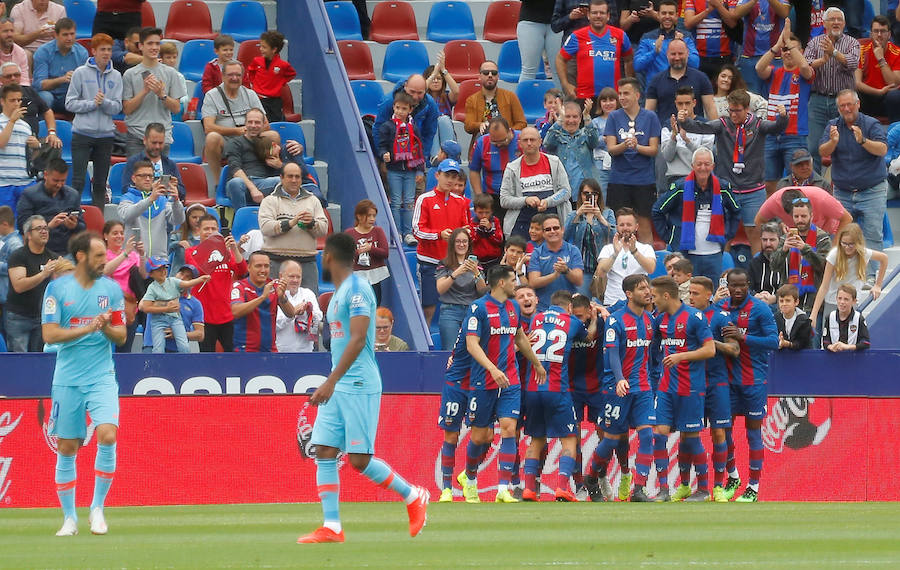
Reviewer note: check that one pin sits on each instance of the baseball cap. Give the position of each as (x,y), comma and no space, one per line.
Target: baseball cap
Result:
(155,263)
(800,155)
(448,164)
(451,147)
(191,268)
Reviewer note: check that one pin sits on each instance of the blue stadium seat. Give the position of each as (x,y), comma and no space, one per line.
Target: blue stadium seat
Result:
(727,261)
(531,95)
(510,63)
(222,198)
(368,95)
(402,58)
(292,131)
(245,219)
(450,21)
(182,147)
(868,16)
(344,20)
(413,262)
(660,266)
(114,181)
(83,12)
(64,132)
(194,56)
(244,20)
(86,191)
(214,213)
(324,286)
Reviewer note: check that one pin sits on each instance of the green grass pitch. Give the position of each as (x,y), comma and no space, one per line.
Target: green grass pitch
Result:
(458,535)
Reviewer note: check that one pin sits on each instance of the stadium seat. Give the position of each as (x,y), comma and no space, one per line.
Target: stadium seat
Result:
(393,20)
(324,286)
(463,59)
(531,95)
(245,219)
(114,182)
(148,17)
(402,58)
(501,20)
(247,51)
(64,132)
(368,95)
(287,105)
(466,88)
(86,44)
(660,263)
(727,261)
(196,187)
(509,61)
(357,58)
(344,20)
(189,20)
(83,12)
(182,147)
(291,131)
(413,263)
(244,20)
(222,198)
(214,213)
(86,191)
(450,21)
(324,299)
(194,56)
(93,218)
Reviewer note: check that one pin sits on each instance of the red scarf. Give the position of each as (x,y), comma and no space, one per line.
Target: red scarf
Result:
(407,146)
(800,272)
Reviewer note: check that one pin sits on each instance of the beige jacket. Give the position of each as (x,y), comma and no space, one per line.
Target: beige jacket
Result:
(279,207)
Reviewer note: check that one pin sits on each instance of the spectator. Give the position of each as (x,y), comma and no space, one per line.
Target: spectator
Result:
(553,102)
(878,74)
(763,21)
(385,341)
(11,51)
(291,218)
(714,23)
(33,22)
(794,328)
(15,138)
(698,216)
(215,296)
(56,202)
(573,139)
(425,111)
(514,256)
(371,246)
(608,101)
(223,45)
(300,332)
(168,55)
(801,256)
(224,114)
(255,301)
(442,87)
(682,273)
(536,35)
(600,53)
(828,213)
(568,16)
(632,138)
(163,301)
(123,265)
(449,149)
(460,282)
(535,233)
(35,108)
(857,144)
(191,315)
(188,235)
(589,228)
(670,260)
(678,145)
(730,79)
(116,17)
(94,95)
(254,162)
(834,56)
(765,279)
(789,86)
(623,257)
(30,269)
(486,233)
(152,152)
(54,64)
(269,74)
(533,183)
(803,174)
(846,328)
(652,56)
(740,148)
(437,213)
(10,241)
(555,264)
(490,155)
(492,102)
(149,207)
(151,93)
(126,53)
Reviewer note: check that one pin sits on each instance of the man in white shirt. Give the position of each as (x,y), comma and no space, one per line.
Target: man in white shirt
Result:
(623,257)
(298,333)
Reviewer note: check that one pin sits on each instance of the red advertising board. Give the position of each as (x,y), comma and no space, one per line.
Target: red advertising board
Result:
(255,449)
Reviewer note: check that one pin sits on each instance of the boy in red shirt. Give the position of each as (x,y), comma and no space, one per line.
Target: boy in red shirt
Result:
(487,235)
(269,74)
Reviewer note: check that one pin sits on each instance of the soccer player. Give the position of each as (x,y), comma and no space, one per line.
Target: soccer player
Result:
(493,331)
(755,331)
(350,398)
(550,409)
(454,399)
(686,342)
(84,314)
(717,404)
(527,300)
(629,396)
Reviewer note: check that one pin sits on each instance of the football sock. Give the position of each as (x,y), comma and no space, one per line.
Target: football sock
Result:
(684,462)
(531,471)
(755,442)
(661,458)
(382,475)
(622,454)
(104,469)
(517,467)
(65,484)
(448,462)
(697,455)
(328,487)
(579,462)
(507,459)
(720,455)
(566,467)
(730,465)
(473,459)
(644,457)
(601,456)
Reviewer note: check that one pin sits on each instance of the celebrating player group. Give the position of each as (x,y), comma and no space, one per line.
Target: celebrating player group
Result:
(650,363)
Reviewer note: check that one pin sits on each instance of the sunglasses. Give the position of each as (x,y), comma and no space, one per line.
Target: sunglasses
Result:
(800,201)
(552,229)
(490,72)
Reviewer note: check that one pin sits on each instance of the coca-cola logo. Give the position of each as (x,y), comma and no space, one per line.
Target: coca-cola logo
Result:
(796,423)
(7,425)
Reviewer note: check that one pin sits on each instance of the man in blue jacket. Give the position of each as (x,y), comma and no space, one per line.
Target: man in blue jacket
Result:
(425,113)
(650,57)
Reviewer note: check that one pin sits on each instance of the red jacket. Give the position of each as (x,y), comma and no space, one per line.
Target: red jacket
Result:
(487,246)
(268,77)
(433,214)
(215,294)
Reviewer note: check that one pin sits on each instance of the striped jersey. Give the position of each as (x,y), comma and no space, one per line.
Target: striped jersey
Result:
(630,335)
(716,371)
(817,18)
(597,58)
(586,364)
(460,363)
(491,161)
(762,28)
(254,332)
(755,321)
(552,333)
(13,165)
(790,89)
(495,323)
(684,331)
(710,36)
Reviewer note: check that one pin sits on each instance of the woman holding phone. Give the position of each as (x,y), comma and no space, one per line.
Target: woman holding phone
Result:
(589,227)
(459,283)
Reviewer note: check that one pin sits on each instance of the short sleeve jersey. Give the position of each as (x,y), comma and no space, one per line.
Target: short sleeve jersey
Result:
(586,363)
(716,371)
(491,161)
(254,332)
(630,335)
(597,58)
(552,333)
(762,28)
(755,320)
(495,324)
(684,331)
(631,167)
(871,71)
(87,359)
(354,298)
(790,89)
(711,39)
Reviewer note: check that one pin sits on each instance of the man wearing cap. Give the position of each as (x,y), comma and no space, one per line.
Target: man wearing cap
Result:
(437,213)
(827,212)
(191,315)
(162,301)
(492,152)
(803,173)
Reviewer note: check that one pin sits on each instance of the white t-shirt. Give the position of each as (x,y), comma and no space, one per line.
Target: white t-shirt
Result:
(287,337)
(852,278)
(624,265)
(701,230)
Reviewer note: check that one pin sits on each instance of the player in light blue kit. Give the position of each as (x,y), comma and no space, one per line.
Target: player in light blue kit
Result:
(349,400)
(84,314)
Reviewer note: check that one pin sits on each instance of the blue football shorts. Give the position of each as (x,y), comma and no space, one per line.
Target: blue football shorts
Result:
(487,406)
(348,422)
(70,403)
(718,406)
(620,414)
(749,401)
(550,414)
(453,407)
(681,413)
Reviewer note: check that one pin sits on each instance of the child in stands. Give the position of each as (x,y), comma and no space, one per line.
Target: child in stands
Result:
(269,74)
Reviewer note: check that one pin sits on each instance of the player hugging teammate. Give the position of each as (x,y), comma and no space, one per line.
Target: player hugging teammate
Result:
(651,364)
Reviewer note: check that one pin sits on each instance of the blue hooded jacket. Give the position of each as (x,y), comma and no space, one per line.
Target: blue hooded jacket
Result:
(425,116)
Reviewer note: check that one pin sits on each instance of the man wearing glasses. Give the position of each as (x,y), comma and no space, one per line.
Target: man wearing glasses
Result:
(30,270)
(555,264)
(492,102)
(879,73)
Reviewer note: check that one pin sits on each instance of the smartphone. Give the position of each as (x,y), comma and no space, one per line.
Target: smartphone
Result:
(584,6)
(165,179)
(75,213)
(723,282)
(473,259)
(793,232)
(594,201)
(145,74)
(225,232)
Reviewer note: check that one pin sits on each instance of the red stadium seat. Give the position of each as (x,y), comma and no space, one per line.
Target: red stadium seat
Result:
(148,18)
(93,218)
(247,51)
(86,44)
(189,20)
(501,20)
(357,59)
(466,88)
(463,59)
(324,299)
(393,20)
(196,189)
(287,105)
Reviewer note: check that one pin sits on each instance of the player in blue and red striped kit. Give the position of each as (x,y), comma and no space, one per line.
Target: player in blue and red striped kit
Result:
(493,332)
(686,343)
(454,399)
(549,403)
(755,331)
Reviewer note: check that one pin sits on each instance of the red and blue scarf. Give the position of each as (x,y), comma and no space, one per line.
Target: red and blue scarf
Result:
(800,272)
(407,146)
(689,214)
